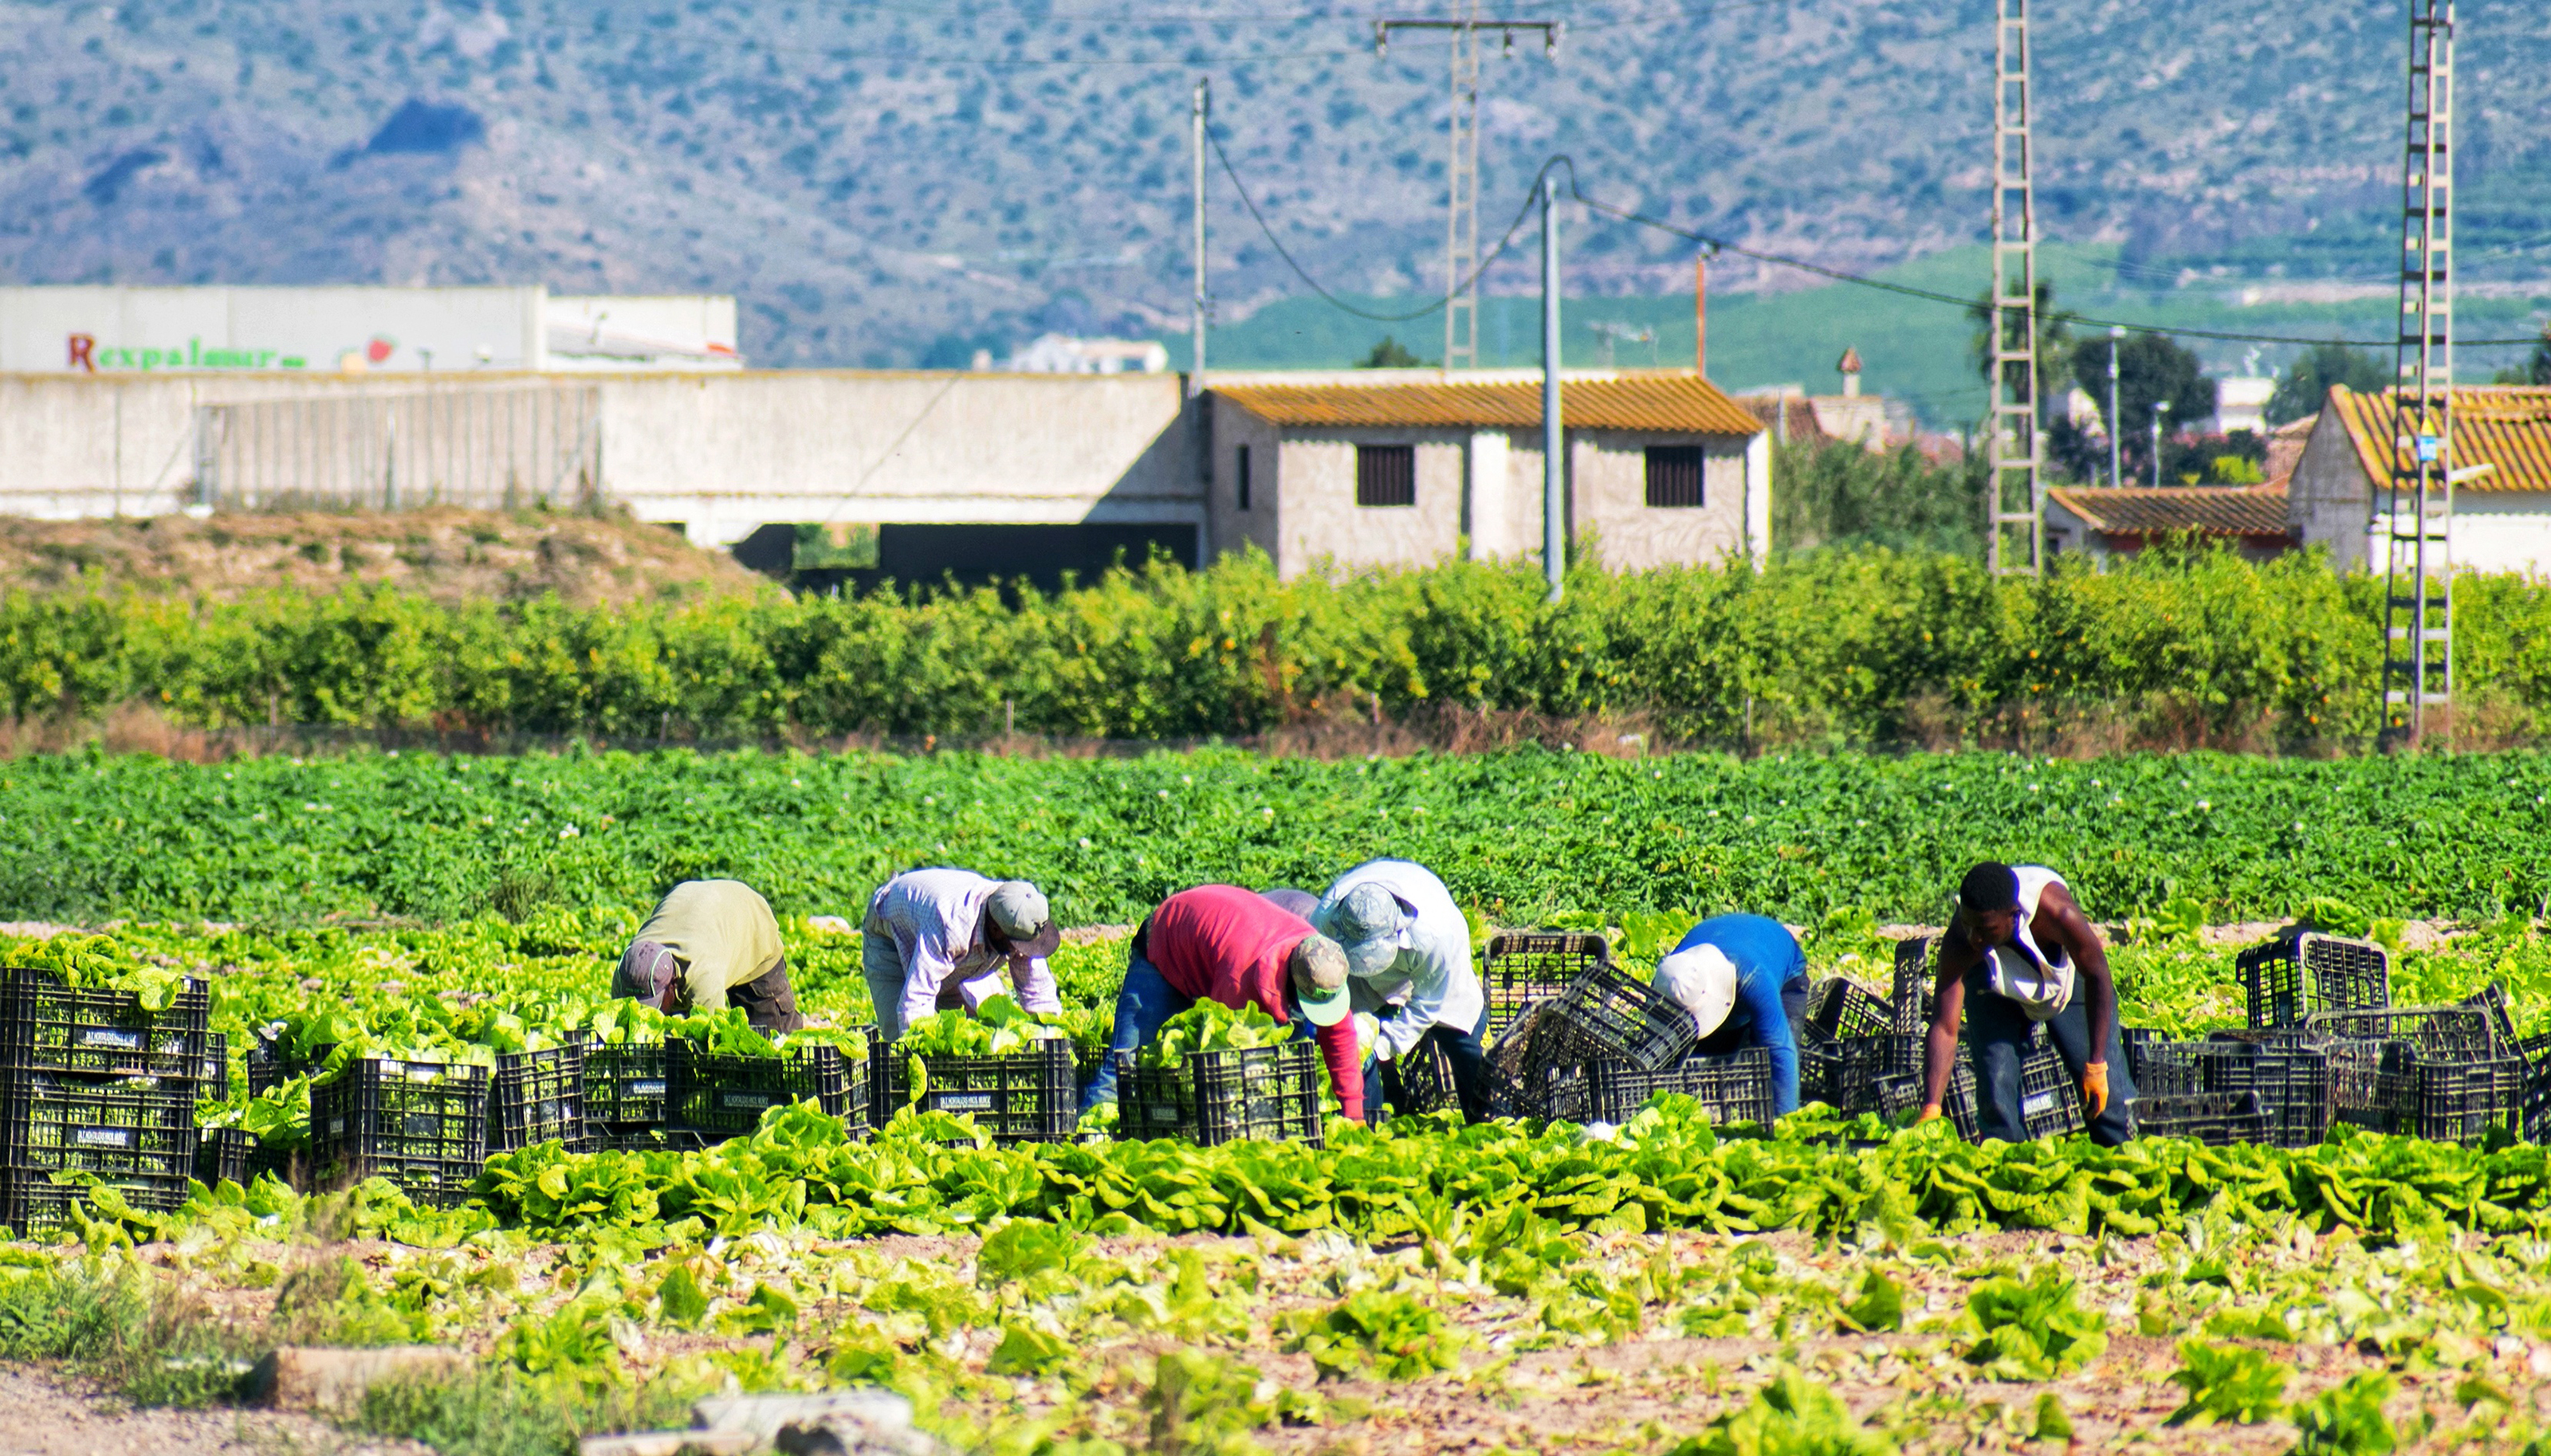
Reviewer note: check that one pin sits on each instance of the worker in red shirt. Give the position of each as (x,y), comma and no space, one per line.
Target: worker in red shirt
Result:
(1220,942)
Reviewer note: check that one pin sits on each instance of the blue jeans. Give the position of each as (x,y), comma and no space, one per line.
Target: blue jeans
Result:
(1464,1051)
(1999,1031)
(1145,1002)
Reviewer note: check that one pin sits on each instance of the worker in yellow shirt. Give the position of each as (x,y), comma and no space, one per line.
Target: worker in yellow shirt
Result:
(711,943)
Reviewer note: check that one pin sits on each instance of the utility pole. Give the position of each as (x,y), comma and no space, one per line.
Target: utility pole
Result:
(2161,411)
(1554,433)
(2015,516)
(2417,523)
(2117,428)
(1195,372)
(1461,223)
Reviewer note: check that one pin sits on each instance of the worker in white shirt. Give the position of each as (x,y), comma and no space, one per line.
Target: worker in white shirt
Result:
(936,939)
(1407,942)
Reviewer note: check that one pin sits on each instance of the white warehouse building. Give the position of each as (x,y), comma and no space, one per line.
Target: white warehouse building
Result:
(123,330)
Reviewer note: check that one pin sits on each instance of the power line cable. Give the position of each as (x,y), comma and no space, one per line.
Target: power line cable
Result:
(1332,299)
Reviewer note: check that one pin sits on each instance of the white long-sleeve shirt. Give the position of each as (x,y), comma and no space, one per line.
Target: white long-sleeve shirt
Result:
(934,918)
(1433,966)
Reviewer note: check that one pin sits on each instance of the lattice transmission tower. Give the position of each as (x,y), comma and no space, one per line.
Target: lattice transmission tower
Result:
(2416,523)
(2014,501)
(1462,221)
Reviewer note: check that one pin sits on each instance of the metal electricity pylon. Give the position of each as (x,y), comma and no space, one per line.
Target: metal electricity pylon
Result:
(1461,224)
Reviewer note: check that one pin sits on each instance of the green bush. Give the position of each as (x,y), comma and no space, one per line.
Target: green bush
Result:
(1862,646)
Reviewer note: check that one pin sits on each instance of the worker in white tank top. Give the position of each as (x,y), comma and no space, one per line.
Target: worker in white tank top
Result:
(2020,953)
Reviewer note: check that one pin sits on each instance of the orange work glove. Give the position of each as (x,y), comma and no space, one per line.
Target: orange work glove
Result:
(1930,1114)
(2095,1087)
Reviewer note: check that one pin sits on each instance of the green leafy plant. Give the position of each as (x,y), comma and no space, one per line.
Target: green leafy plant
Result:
(2347,1419)
(1791,1416)
(1393,1334)
(1209,1026)
(2227,1383)
(2032,1329)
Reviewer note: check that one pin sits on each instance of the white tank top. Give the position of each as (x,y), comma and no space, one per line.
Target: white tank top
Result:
(2040,983)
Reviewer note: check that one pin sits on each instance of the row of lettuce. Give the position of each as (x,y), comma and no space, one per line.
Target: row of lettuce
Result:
(1832,648)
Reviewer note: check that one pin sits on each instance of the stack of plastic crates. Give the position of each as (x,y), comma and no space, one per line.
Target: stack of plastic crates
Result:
(1736,1088)
(1031,1096)
(423,1126)
(2294,1079)
(2440,1072)
(2292,976)
(238,1155)
(95,1084)
(711,1097)
(1606,1017)
(1257,1092)
(2216,1118)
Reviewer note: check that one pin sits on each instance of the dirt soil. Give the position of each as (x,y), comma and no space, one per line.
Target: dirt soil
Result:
(451,555)
(43,1413)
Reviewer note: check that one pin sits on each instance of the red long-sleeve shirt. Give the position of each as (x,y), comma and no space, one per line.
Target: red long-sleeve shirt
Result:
(1220,942)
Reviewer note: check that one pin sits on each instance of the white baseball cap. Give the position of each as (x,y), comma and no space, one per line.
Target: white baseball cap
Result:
(1702,981)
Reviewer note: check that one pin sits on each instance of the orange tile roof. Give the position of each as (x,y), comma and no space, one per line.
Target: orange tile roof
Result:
(1663,402)
(2508,426)
(2147,511)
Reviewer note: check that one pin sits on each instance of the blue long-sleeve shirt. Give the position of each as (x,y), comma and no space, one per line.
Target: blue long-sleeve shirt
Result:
(1767,961)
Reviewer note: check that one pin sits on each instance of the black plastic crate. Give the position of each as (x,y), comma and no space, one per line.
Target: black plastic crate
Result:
(1839,1011)
(537,1096)
(2216,1118)
(48,1025)
(624,1086)
(63,1122)
(1859,1062)
(1608,1015)
(2491,999)
(2461,1101)
(1025,1097)
(422,1126)
(2466,1033)
(2295,1081)
(716,1096)
(2286,979)
(1525,966)
(239,1155)
(1421,1082)
(2374,1084)
(1911,1002)
(1820,1069)
(2133,1040)
(2050,1106)
(1735,1087)
(30,1199)
(1261,1093)
(2535,1053)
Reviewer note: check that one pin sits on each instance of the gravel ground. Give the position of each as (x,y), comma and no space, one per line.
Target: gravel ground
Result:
(46,1415)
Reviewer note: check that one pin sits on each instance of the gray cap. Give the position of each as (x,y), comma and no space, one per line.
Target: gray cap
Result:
(1366,921)
(1018,910)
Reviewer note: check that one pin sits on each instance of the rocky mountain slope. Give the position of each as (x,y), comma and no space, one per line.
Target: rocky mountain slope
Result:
(904,181)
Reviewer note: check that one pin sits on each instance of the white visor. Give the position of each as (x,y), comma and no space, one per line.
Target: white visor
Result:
(1703,980)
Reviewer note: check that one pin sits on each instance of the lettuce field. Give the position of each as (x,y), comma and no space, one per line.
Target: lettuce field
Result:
(1525,838)
(1665,1288)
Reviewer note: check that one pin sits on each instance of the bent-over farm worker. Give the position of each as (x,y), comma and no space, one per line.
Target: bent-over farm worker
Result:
(1220,942)
(1405,937)
(936,939)
(709,944)
(1744,978)
(2020,953)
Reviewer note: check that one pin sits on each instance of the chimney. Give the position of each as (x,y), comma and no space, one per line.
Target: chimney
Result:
(1849,364)
(1700,315)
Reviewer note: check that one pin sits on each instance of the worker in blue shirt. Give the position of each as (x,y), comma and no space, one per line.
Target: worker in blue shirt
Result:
(1744,980)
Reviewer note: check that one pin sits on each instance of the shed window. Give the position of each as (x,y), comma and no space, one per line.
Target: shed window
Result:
(1673,475)
(1243,474)
(1385,475)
